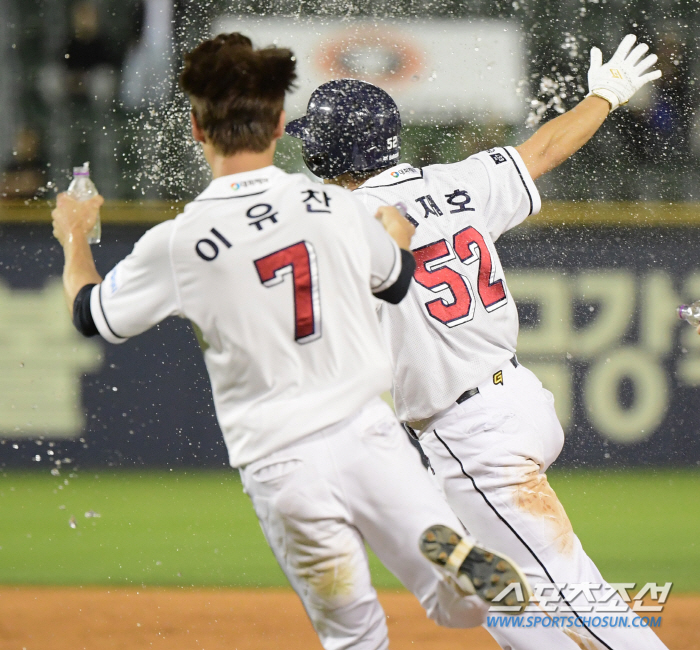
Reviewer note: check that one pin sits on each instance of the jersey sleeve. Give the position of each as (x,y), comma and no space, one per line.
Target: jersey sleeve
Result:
(391,267)
(508,194)
(140,291)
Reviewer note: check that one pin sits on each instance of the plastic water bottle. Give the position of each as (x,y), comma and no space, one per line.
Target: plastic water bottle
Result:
(690,313)
(401,207)
(83,189)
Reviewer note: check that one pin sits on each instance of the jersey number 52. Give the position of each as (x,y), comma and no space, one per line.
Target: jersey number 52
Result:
(469,246)
(299,261)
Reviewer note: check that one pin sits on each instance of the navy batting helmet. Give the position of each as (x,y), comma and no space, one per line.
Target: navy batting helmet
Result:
(349,125)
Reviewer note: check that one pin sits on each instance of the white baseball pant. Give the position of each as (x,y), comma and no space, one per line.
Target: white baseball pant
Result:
(318,501)
(490,454)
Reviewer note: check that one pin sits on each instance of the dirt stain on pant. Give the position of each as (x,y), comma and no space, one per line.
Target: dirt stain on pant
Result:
(327,568)
(537,497)
(329,579)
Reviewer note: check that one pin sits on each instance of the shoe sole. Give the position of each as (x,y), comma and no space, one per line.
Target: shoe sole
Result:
(476,569)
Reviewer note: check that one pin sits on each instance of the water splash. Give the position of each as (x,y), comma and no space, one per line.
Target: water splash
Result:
(559,90)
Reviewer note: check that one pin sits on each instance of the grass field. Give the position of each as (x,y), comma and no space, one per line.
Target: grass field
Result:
(198,528)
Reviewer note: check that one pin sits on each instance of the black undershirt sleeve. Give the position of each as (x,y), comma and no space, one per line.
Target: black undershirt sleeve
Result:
(82,316)
(397,291)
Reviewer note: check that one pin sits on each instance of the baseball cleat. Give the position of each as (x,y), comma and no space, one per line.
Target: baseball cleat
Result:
(473,568)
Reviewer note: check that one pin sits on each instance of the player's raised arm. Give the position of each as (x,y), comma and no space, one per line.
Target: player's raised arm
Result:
(72,221)
(610,85)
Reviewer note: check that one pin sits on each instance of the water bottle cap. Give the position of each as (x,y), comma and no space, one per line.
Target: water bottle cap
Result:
(681,310)
(401,207)
(83,170)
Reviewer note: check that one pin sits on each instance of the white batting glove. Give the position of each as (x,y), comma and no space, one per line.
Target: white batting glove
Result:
(623,75)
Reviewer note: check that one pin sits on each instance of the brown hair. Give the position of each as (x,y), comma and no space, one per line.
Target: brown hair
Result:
(237,93)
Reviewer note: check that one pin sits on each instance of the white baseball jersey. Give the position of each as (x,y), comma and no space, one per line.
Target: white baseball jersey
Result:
(276,271)
(458,324)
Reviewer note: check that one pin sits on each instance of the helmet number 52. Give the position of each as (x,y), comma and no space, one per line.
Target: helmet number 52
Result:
(393,142)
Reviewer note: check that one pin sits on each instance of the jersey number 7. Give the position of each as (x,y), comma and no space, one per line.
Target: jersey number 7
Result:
(299,261)
(432,274)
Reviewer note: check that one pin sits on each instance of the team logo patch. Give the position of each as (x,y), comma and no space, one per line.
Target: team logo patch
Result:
(498,378)
(498,158)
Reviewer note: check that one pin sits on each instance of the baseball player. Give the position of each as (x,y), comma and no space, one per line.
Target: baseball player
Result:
(486,423)
(279,273)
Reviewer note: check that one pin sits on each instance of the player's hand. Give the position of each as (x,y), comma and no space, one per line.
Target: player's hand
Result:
(618,79)
(400,228)
(73,219)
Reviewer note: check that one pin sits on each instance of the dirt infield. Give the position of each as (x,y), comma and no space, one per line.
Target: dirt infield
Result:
(227,619)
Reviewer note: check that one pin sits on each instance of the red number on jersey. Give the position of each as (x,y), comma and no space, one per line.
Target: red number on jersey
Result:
(491,291)
(299,260)
(432,274)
